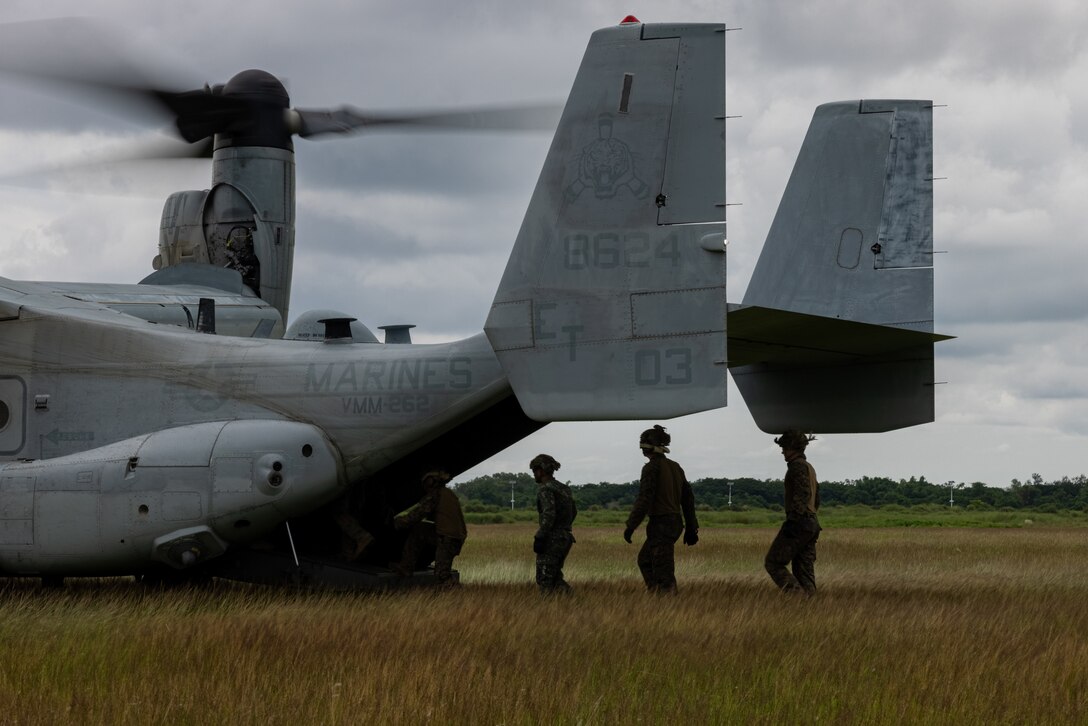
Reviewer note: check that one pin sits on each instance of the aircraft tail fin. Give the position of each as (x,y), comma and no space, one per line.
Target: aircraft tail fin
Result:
(835,330)
(853,236)
(612,305)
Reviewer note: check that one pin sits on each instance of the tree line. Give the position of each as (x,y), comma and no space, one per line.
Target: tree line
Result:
(496,490)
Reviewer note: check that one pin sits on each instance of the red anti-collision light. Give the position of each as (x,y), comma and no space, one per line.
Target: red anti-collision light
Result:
(629,20)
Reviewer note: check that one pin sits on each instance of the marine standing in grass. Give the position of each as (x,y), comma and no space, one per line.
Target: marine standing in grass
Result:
(556,511)
(448,532)
(795,544)
(665,495)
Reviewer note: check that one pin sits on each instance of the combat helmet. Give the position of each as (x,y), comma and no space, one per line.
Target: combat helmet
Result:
(656,440)
(436,477)
(545,462)
(794,439)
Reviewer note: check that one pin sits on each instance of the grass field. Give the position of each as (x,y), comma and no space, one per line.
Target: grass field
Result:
(912,625)
(855,515)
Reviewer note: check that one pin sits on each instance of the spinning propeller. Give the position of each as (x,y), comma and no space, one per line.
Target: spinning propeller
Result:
(252,108)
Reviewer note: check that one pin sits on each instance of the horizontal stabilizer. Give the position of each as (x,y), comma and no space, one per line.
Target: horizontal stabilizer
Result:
(827,375)
(781,337)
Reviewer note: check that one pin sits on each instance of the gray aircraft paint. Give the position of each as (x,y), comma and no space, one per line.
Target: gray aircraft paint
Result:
(852,243)
(180,496)
(375,401)
(853,235)
(176,304)
(612,305)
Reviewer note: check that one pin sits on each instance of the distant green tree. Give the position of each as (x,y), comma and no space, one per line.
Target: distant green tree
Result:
(492,493)
(494,490)
(746,492)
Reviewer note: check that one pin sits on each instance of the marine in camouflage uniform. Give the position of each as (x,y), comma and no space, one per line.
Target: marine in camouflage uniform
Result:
(795,544)
(241,257)
(441,507)
(666,497)
(556,512)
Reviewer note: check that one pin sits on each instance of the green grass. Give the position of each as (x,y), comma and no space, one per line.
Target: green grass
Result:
(957,625)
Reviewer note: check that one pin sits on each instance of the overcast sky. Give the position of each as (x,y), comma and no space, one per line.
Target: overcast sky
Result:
(416,228)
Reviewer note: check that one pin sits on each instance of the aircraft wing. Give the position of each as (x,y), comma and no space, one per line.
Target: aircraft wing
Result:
(42,299)
(814,373)
(237,314)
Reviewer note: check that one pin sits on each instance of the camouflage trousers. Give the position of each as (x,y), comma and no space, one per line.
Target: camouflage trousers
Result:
(445,549)
(549,563)
(795,546)
(655,559)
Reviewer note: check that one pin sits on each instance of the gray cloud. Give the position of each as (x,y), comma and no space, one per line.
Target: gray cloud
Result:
(417,228)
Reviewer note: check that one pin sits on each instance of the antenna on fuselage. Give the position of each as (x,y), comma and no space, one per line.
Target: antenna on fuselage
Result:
(337,329)
(401,334)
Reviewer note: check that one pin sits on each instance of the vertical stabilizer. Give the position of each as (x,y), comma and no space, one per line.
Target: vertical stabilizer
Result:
(853,236)
(612,305)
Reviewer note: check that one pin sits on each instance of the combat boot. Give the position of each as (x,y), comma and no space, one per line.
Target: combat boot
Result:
(400,569)
(356,544)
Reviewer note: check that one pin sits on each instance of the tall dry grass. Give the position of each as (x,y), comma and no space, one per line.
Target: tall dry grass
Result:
(911,626)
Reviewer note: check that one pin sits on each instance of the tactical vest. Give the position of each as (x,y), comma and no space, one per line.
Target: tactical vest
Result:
(670,488)
(565,510)
(811,503)
(448,519)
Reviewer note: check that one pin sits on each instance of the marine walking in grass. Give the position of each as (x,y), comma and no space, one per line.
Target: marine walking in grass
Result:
(795,544)
(556,511)
(665,496)
(437,519)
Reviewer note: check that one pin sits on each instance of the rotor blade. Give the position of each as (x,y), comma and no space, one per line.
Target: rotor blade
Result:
(347,119)
(170,149)
(112,156)
(82,54)
(93,60)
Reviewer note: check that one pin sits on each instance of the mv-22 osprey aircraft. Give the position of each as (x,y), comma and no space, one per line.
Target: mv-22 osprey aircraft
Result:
(138,444)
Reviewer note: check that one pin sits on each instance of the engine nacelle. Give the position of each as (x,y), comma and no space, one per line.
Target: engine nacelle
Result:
(181,231)
(179,496)
(246,221)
